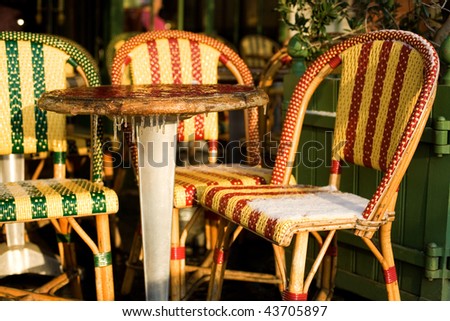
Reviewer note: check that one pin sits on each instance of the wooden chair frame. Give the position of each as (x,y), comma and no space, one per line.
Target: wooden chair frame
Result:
(101,249)
(378,214)
(182,288)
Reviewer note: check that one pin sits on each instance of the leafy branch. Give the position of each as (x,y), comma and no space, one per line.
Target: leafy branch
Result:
(310,18)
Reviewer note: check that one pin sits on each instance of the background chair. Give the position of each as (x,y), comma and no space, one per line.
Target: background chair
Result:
(30,65)
(270,118)
(183,57)
(113,45)
(388,84)
(256,50)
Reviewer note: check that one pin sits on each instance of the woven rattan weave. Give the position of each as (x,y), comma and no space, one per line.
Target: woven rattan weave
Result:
(184,58)
(387,88)
(30,65)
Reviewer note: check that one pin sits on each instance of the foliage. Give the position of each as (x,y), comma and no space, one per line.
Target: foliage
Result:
(429,19)
(373,14)
(311,17)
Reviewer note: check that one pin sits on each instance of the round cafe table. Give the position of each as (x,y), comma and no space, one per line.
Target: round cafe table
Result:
(154,111)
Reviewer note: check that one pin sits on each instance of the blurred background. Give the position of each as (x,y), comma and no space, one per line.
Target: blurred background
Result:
(94,23)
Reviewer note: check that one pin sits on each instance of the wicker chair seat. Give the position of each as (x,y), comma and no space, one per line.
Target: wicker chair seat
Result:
(181,57)
(32,64)
(54,198)
(388,82)
(192,181)
(276,213)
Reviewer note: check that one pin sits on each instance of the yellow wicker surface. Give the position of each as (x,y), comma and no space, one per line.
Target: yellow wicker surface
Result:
(141,70)
(191,181)
(54,72)
(30,64)
(277,212)
(408,93)
(202,51)
(386,94)
(51,198)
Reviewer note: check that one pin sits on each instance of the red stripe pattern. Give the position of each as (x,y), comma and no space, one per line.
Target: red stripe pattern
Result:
(390,275)
(289,296)
(375,103)
(180,131)
(178,253)
(154,61)
(236,204)
(176,60)
(196,62)
(353,116)
(431,69)
(197,76)
(227,55)
(394,105)
(191,182)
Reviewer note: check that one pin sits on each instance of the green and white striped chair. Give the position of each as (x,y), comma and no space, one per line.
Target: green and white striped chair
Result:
(31,64)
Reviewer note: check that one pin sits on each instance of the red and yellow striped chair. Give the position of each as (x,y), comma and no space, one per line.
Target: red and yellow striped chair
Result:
(388,84)
(30,65)
(183,57)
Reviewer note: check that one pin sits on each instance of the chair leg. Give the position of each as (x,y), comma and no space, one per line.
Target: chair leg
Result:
(211,227)
(24,295)
(188,285)
(68,255)
(69,265)
(55,284)
(280,266)
(178,283)
(390,274)
(177,254)
(320,273)
(333,252)
(296,289)
(38,170)
(104,281)
(298,284)
(224,239)
(200,274)
(132,262)
(328,272)
(386,259)
(103,260)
